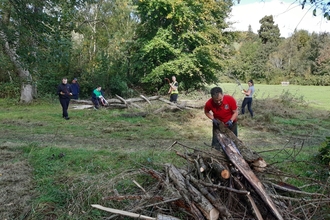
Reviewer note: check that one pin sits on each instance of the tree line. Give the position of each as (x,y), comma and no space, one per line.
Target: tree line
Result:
(130,46)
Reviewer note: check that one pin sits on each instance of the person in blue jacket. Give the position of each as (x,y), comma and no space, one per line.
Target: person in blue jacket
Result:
(98,98)
(75,89)
(64,93)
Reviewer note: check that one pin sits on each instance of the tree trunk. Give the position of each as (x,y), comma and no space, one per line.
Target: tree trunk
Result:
(27,90)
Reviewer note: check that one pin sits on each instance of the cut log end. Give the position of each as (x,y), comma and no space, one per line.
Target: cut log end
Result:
(225,174)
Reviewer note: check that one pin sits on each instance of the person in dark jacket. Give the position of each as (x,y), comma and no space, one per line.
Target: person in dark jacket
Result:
(75,89)
(64,93)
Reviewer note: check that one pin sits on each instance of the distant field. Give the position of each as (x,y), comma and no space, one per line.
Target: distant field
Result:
(316,96)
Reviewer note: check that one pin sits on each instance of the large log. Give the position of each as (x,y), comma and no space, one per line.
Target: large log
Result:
(190,193)
(249,155)
(236,158)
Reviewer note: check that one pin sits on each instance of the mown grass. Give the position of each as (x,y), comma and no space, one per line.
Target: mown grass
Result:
(76,163)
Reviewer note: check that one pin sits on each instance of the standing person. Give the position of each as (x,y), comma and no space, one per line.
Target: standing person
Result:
(75,89)
(64,92)
(248,98)
(173,90)
(221,109)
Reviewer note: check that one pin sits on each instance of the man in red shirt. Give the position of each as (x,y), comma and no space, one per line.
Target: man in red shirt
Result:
(221,109)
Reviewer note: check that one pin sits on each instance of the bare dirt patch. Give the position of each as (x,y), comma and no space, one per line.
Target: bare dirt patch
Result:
(16,187)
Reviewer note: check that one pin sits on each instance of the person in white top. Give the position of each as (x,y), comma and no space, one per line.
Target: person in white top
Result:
(248,98)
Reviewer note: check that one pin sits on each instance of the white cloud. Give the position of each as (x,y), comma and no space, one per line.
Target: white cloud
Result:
(288,17)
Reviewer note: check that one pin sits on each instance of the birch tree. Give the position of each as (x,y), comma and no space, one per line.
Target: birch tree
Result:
(26,27)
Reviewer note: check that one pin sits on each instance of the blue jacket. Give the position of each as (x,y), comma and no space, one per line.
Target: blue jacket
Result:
(75,89)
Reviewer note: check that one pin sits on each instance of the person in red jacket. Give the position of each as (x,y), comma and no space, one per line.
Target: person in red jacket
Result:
(221,109)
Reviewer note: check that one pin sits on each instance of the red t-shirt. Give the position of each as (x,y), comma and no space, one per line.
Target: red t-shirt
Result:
(224,111)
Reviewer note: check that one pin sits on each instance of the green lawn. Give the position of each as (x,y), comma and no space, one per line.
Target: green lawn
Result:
(315,96)
(53,167)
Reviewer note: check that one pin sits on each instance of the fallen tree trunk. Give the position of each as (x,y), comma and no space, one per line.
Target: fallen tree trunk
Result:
(248,155)
(236,158)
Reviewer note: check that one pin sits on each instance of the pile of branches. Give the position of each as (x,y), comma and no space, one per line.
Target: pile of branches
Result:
(228,181)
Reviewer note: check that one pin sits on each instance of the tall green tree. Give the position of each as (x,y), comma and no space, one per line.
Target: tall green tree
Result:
(182,38)
(27,29)
(105,31)
(269,35)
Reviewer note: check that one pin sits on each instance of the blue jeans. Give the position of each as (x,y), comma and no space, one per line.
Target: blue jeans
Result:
(248,102)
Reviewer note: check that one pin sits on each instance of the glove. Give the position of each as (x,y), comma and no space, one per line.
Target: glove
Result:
(215,122)
(229,123)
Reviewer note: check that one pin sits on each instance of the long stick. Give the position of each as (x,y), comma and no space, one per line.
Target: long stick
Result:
(237,81)
(121,212)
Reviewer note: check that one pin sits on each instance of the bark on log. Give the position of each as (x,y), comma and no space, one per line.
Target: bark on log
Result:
(249,155)
(167,107)
(122,99)
(186,189)
(223,211)
(236,158)
(249,198)
(221,170)
(202,167)
(147,100)
(166,101)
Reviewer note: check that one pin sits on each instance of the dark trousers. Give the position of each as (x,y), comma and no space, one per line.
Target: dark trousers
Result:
(215,142)
(248,102)
(65,106)
(174,97)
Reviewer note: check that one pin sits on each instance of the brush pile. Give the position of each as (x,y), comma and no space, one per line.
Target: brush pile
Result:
(228,181)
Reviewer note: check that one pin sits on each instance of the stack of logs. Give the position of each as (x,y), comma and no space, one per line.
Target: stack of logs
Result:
(224,183)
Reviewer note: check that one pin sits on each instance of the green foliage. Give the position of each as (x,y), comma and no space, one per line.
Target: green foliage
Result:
(301,59)
(183,39)
(9,90)
(269,32)
(324,151)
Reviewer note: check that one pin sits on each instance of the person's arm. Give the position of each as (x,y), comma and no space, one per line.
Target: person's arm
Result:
(208,114)
(234,115)
(170,89)
(247,93)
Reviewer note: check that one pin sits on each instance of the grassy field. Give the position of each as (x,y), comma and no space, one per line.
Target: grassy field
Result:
(51,168)
(315,96)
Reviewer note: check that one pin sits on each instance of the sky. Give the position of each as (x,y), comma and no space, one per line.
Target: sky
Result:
(287,14)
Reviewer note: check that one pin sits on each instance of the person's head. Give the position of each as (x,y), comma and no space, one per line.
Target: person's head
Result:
(74,80)
(173,78)
(64,80)
(99,88)
(217,96)
(250,82)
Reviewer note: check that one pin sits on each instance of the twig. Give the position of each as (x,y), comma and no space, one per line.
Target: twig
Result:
(136,183)
(224,187)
